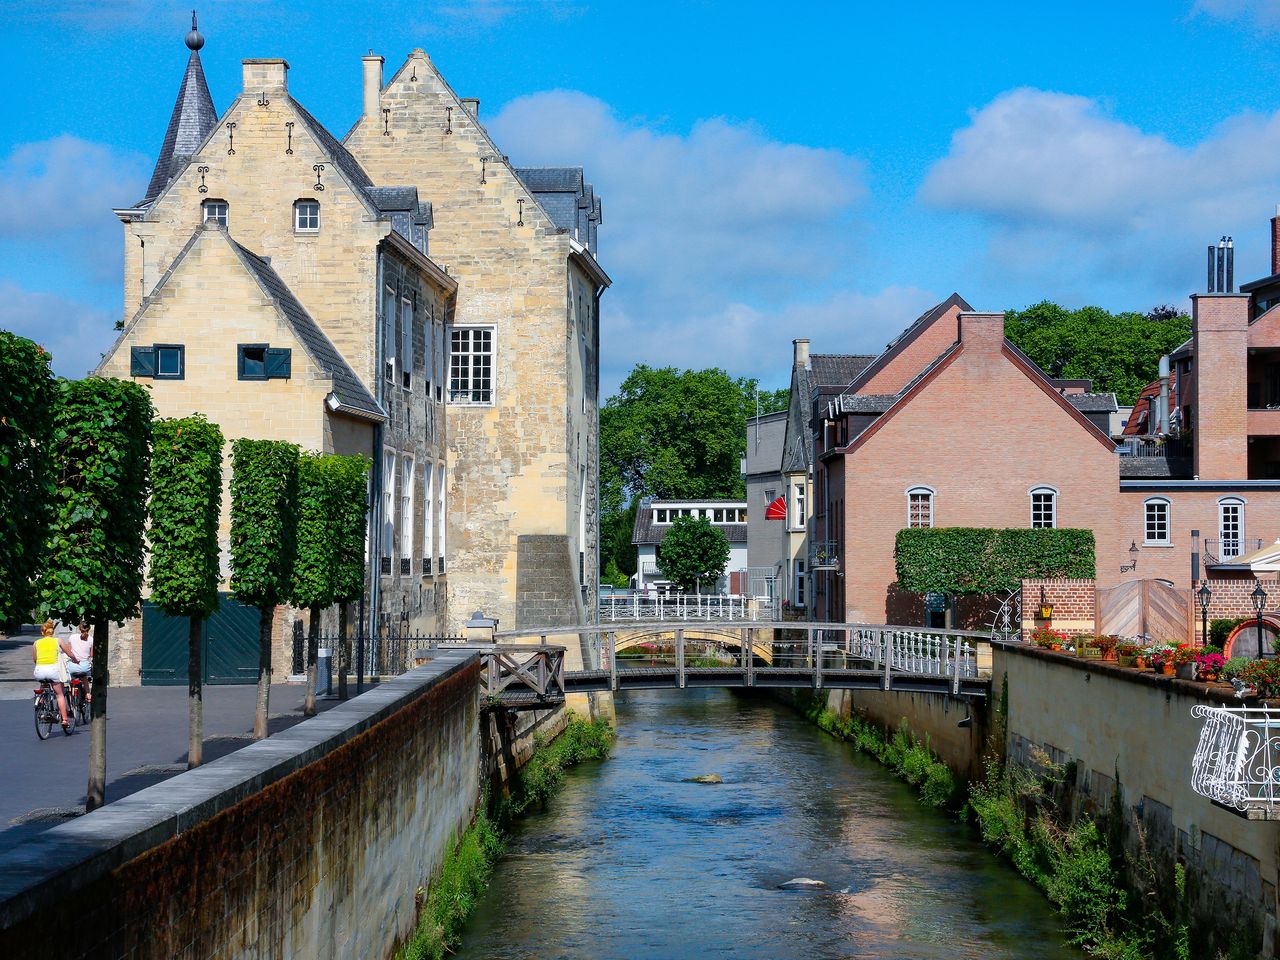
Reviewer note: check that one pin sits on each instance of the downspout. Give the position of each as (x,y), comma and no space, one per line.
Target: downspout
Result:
(375,487)
(595,342)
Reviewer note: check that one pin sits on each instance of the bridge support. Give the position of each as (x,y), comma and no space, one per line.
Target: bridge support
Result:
(613,661)
(680,659)
(887,681)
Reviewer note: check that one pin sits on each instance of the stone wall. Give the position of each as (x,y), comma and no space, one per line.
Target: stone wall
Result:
(312,843)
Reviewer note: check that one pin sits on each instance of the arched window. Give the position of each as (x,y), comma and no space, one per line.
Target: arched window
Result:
(215,210)
(1155,520)
(920,507)
(306,216)
(1230,527)
(1044,508)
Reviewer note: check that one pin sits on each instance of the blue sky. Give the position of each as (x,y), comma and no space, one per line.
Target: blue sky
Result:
(768,172)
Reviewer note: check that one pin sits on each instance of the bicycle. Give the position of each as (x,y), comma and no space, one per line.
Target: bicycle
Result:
(78,698)
(46,712)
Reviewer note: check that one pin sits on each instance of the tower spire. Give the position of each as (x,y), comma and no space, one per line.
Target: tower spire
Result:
(193,118)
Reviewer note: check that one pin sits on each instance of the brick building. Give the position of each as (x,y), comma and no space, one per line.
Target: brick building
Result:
(952,425)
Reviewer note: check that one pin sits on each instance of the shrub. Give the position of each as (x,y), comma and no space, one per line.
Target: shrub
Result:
(1220,629)
(1234,667)
(1047,637)
(983,560)
(1263,676)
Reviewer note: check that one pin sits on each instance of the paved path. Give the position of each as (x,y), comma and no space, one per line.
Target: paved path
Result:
(42,783)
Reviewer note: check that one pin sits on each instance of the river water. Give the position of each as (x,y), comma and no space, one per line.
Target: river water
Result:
(629,862)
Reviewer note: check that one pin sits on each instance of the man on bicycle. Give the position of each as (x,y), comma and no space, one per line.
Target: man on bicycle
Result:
(51,654)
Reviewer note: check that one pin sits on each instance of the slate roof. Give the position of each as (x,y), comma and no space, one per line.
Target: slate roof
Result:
(767,456)
(1092,402)
(387,199)
(341,157)
(646,531)
(193,119)
(346,385)
(566,198)
(864,402)
(837,369)
(551,179)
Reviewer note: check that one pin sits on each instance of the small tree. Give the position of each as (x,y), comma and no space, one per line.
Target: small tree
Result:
(349,476)
(315,569)
(264,489)
(694,553)
(27,393)
(101,453)
(186,501)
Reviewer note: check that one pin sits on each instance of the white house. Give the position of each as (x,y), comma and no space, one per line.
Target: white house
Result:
(654,519)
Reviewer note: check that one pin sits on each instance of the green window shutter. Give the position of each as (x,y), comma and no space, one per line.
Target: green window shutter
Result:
(279,363)
(142,362)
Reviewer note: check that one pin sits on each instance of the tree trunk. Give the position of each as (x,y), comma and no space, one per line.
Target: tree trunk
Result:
(264,672)
(344,651)
(97,792)
(195,695)
(313,649)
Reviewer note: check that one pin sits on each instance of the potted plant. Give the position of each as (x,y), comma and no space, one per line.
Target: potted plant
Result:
(1263,676)
(1107,643)
(1184,661)
(1128,654)
(1234,668)
(1209,666)
(1048,638)
(1088,648)
(1162,660)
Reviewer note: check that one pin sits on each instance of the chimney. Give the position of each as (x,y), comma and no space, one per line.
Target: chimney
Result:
(265,76)
(1275,242)
(1222,264)
(1220,332)
(982,331)
(472,106)
(372,84)
(1161,424)
(801,354)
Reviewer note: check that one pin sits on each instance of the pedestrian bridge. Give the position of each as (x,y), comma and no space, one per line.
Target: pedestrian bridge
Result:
(535,669)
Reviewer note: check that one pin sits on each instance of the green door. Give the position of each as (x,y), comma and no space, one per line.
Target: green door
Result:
(229,650)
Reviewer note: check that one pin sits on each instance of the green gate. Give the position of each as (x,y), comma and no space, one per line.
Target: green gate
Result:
(229,645)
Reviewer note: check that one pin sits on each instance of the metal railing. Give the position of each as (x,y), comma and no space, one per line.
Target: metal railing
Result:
(388,655)
(824,554)
(1149,447)
(915,651)
(1237,761)
(679,606)
(1228,549)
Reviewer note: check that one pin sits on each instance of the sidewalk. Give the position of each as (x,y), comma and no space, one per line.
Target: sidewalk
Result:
(42,783)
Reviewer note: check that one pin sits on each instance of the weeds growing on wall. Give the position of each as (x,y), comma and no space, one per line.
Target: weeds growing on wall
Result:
(463,877)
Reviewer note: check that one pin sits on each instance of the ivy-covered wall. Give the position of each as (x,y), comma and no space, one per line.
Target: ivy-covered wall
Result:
(987,560)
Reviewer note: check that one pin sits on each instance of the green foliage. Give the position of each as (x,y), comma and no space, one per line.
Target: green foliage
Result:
(1118,352)
(101,453)
(348,477)
(982,560)
(613,576)
(616,529)
(27,394)
(316,560)
(186,500)
(264,489)
(541,777)
(1234,667)
(1220,628)
(694,553)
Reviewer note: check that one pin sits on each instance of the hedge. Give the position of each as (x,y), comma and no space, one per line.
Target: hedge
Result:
(984,560)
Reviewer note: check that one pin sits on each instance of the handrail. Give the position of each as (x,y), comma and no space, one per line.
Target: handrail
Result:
(1237,759)
(595,628)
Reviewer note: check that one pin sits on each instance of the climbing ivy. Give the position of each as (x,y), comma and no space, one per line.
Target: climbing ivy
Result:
(984,560)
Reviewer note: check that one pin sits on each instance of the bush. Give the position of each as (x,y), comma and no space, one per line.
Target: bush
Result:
(1234,667)
(1221,628)
(542,776)
(982,560)
(1263,676)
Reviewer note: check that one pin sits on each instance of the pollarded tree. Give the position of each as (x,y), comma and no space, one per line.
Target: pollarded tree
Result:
(27,392)
(315,568)
(186,500)
(101,452)
(264,490)
(694,553)
(349,476)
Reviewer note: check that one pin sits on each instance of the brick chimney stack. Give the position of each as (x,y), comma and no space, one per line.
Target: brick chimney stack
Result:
(801,354)
(267,75)
(1220,328)
(372,85)
(1275,242)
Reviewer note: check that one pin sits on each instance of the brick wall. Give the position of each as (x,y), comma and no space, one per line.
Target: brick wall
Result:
(1074,606)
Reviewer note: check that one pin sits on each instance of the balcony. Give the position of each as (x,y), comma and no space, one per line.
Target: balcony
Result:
(824,555)
(1218,552)
(1237,759)
(1154,458)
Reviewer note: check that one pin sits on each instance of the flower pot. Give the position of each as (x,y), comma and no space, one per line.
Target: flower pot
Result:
(1055,647)
(1128,661)
(1209,676)
(1090,653)
(1140,662)
(1110,655)
(1167,669)
(1186,671)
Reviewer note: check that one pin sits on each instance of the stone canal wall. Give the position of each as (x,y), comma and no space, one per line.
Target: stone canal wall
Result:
(312,843)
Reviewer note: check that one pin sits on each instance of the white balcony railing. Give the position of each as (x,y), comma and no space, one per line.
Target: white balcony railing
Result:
(1237,761)
(658,607)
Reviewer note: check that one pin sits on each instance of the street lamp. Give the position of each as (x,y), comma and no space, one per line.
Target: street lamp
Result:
(1205,595)
(1259,597)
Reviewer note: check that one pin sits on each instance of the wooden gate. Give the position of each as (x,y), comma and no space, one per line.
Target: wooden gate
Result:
(1153,607)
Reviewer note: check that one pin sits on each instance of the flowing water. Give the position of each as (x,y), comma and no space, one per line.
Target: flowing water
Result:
(630,862)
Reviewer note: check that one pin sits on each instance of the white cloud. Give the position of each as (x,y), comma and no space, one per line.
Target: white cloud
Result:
(1073,193)
(77,335)
(1262,13)
(714,236)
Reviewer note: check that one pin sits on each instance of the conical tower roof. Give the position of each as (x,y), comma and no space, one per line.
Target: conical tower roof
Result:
(192,121)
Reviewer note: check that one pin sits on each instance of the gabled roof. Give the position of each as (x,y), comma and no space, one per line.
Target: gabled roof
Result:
(193,119)
(339,156)
(551,179)
(1092,402)
(837,369)
(646,531)
(907,337)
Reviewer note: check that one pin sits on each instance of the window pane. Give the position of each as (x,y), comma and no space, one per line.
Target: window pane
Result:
(471,365)
(307,215)
(1043,509)
(169,361)
(253,363)
(215,210)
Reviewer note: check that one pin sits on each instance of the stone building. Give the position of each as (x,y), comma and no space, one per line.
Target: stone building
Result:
(290,290)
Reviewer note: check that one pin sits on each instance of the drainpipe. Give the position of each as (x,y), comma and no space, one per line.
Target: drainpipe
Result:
(375,486)
(1163,411)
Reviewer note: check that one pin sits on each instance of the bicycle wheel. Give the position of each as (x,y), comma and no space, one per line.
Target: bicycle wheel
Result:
(82,703)
(45,717)
(71,717)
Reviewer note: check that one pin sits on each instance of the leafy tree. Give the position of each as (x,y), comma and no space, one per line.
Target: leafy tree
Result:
(27,393)
(186,501)
(694,553)
(349,479)
(616,548)
(264,490)
(101,453)
(1119,352)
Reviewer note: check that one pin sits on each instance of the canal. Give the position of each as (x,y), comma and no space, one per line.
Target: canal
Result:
(630,862)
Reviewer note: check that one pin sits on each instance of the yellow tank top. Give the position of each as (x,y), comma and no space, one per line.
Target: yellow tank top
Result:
(46,651)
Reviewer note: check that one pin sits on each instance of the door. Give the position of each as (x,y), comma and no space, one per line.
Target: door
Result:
(229,645)
(1153,607)
(164,647)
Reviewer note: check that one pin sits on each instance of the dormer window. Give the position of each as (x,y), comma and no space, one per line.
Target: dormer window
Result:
(306,216)
(215,210)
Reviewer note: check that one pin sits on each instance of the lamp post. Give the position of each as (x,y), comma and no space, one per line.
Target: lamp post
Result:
(1205,595)
(1259,597)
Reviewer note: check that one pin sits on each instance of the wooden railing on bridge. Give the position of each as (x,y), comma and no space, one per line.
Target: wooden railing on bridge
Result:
(532,674)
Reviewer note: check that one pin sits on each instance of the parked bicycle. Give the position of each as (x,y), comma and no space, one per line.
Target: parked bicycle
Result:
(46,709)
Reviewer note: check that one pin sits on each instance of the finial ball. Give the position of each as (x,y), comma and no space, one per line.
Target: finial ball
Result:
(195,40)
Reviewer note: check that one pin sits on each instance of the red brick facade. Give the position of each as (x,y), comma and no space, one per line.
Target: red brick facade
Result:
(1073,603)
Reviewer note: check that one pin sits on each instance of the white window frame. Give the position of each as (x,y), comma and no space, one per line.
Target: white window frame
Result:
(927,494)
(406,342)
(466,363)
(389,341)
(389,468)
(212,205)
(428,510)
(797,516)
(1040,491)
(299,226)
(441,494)
(1225,505)
(1157,505)
(408,467)
(798,583)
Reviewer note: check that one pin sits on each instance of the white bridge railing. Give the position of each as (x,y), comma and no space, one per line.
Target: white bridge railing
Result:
(914,651)
(683,607)
(1237,761)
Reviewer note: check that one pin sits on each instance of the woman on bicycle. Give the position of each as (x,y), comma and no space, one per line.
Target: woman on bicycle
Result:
(51,654)
(81,653)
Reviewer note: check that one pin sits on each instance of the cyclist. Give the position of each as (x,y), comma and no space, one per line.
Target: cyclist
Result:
(50,655)
(81,664)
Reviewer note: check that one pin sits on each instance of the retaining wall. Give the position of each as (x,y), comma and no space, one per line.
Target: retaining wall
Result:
(312,843)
